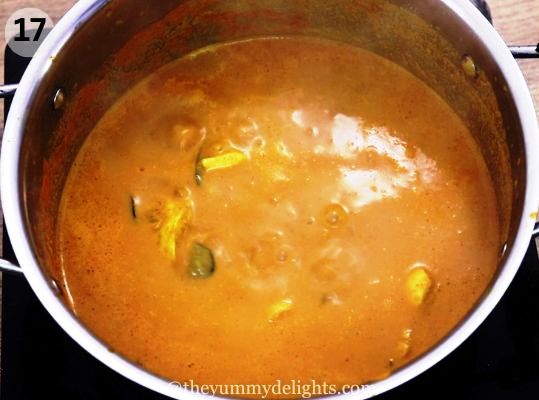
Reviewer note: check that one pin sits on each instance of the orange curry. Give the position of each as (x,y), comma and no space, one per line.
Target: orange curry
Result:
(277,208)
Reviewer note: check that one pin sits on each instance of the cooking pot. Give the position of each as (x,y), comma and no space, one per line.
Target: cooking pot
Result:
(101,48)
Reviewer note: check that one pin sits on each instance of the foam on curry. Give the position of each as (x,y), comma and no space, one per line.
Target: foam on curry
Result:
(277,208)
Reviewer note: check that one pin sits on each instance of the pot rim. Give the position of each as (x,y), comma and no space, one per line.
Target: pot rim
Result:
(41,285)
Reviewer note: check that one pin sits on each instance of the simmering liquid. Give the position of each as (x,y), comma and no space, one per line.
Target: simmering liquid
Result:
(277,209)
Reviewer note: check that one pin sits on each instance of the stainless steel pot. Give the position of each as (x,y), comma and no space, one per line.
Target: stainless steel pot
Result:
(101,48)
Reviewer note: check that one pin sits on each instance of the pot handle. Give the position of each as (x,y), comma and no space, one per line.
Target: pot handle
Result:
(7,90)
(525,51)
(534,241)
(5,265)
(10,268)
(528,51)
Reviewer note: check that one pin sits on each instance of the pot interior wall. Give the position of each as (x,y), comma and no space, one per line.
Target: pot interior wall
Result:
(125,41)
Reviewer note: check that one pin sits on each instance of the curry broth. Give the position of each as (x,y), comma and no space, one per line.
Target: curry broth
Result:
(277,208)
